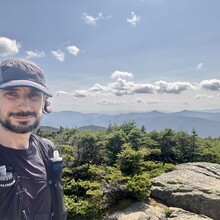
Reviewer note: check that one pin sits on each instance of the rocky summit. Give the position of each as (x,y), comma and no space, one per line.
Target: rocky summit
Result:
(194,187)
(142,211)
(190,192)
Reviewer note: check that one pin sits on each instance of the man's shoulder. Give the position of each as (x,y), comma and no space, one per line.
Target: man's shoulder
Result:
(46,143)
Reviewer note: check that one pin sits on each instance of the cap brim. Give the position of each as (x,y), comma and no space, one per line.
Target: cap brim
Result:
(18,83)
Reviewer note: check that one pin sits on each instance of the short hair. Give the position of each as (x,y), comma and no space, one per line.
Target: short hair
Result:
(46,110)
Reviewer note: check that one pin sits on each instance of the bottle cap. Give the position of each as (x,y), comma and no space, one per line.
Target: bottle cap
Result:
(4,176)
(56,156)
(2,170)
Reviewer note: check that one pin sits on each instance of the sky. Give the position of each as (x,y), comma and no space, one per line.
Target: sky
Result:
(115,56)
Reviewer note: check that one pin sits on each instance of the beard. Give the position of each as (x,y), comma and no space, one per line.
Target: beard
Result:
(23,126)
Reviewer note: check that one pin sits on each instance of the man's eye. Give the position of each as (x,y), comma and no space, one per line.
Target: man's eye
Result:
(11,94)
(34,95)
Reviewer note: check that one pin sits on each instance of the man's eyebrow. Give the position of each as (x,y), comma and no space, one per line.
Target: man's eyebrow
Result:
(9,89)
(17,89)
(35,90)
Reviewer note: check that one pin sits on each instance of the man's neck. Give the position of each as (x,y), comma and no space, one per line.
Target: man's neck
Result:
(13,140)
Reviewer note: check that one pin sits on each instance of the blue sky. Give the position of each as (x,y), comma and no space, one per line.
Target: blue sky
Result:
(119,55)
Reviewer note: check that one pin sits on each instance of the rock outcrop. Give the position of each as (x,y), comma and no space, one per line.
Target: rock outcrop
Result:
(142,211)
(192,186)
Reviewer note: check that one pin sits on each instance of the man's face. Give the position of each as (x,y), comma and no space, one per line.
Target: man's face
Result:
(21,109)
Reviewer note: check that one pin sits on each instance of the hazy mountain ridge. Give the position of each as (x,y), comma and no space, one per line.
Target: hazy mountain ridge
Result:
(205,123)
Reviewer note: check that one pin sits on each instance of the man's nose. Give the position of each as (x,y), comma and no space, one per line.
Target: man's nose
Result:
(24,102)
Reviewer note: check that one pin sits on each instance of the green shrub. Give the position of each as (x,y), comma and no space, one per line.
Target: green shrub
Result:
(81,209)
(169,167)
(129,160)
(151,165)
(168,212)
(139,186)
(157,168)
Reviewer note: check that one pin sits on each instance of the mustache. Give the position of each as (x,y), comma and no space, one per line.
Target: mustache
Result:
(23,114)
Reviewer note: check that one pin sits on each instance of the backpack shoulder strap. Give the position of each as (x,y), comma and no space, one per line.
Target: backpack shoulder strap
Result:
(46,149)
(5,161)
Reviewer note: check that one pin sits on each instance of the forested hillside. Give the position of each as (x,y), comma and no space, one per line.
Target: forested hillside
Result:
(109,168)
(206,123)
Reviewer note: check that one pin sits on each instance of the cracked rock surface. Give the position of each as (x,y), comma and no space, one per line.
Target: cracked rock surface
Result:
(192,186)
(142,211)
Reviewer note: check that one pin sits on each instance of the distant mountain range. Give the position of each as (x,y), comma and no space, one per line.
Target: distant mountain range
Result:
(206,123)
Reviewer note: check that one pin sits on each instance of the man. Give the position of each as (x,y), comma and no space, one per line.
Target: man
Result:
(30,177)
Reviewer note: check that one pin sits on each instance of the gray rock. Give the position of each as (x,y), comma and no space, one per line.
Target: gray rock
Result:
(142,211)
(138,211)
(193,186)
(180,214)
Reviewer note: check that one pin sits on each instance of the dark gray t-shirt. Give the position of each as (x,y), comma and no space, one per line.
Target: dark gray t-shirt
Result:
(30,169)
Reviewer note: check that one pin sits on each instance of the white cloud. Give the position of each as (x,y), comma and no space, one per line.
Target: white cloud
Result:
(199,66)
(212,84)
(73,50)
(61,93)
(77,93)
(123,87)
(110,102)
(97,88)
(8,47)
(156,102)
(140,101)
(88,19)
(119,74)
(203,96)
(34,54)
(134,19)
(144,88)
(59,55)
(81,93)
(173,87)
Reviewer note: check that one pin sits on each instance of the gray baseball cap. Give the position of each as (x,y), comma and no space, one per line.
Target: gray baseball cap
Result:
(19,72)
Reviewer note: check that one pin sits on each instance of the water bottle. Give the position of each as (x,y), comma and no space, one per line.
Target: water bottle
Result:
(6,178)
(57,163)
(56,156)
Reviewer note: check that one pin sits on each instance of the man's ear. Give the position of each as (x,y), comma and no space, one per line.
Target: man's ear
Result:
(44,100)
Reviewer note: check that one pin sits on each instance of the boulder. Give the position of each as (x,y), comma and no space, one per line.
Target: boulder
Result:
(180,214)
(138,211)
(143,211)
(192,186)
